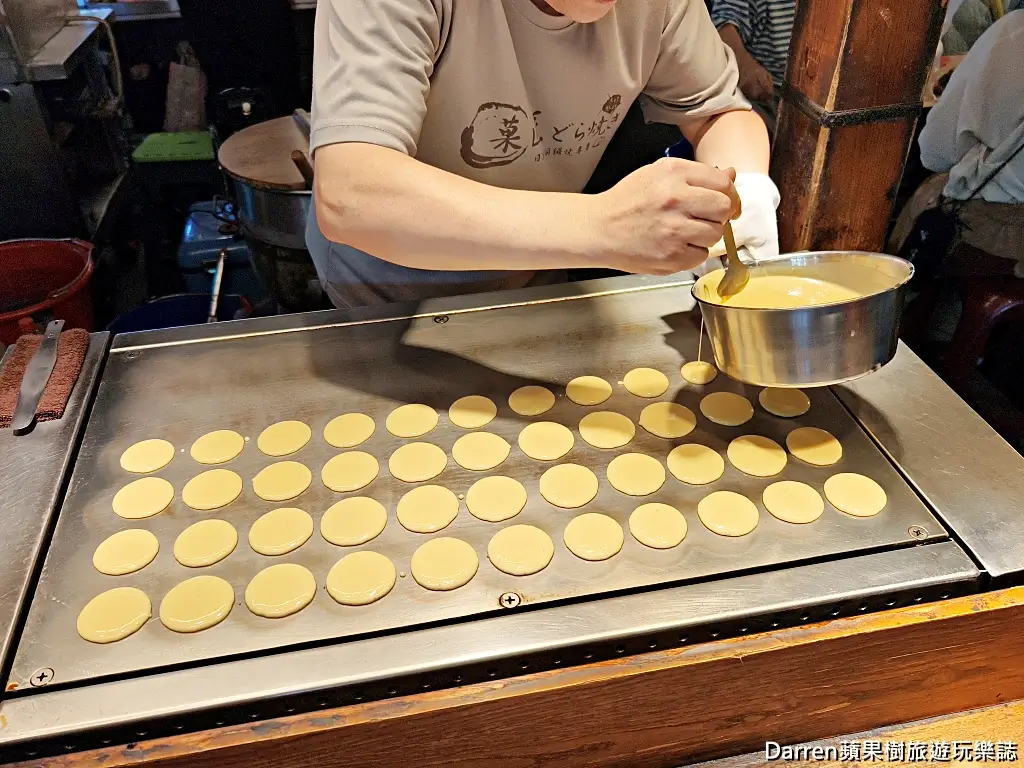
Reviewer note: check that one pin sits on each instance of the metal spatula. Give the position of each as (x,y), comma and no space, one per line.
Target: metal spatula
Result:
(736,273)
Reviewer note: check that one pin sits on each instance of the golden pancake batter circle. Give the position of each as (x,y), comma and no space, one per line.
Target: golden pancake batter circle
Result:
(695,464)
(444,564)
(727,409)
(636,474)
(353,521)
(114,615)
(728,514)
(646,382)
(546,440)
(197,604)
(494,499)
(280,531)
(205,543)
(593,536)
(698,372)
(793,502)
(568,486)
(531,400)
(668,420)
(427,509)
(786,403)
(413,420)
(147,456)
(520,550)
(361,578)
(282,481)
(606,429)
(350,471)
(472,412)
(217,447)
(480,451)
(143,498)
(280,590)
(855,494)
(283,438)
(125,552)
(349,430)
(757,456)
(212,489)
(588,390)
(417,462)
(815,446)
(658,526)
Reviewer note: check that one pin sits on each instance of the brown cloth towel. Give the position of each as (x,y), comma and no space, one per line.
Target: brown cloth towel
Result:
(71,349)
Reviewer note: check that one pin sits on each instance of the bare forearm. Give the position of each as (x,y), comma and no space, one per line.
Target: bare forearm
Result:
(735,139)
(409,213)
(731,37)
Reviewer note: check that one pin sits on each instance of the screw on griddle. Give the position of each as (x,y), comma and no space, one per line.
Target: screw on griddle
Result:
(441,319)
(131,356)
(510,600)
(917,532)
(41,677)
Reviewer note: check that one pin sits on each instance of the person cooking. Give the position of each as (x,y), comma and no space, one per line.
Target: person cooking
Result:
(452,139)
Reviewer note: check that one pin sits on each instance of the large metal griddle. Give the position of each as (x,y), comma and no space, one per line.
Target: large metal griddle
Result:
(247,375)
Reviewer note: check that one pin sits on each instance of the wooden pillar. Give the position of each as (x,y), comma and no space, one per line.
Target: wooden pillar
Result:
(849,108)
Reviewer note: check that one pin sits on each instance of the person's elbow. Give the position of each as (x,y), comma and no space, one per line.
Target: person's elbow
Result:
(933,154)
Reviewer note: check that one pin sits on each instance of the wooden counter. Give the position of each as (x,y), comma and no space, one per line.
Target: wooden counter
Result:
(663,708)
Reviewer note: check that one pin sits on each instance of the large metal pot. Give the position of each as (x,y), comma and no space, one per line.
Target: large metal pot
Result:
(811,346)
(273,216)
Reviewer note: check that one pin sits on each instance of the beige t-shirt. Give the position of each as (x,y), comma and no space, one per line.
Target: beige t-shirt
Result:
(500,92)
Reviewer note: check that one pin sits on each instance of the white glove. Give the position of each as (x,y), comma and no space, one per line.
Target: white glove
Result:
(757,228)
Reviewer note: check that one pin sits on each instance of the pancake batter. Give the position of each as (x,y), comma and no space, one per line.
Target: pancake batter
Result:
(793,502)
(636,474)
(427,509)
(588,390)
(283,438)
(417,462)
(699,372)
(494,499)
(531,400)
(212,489)
(349,430)
(197,604)
(472,412)
(147,456)
(114,615)
(727,408)
(353,521)
(282,481)
(668,420)
(855,494)
(658,526)
(361,578)
(480,451)
(143,498)
(757,456)
(217,447)
(413,420)
(593,536)
(546,441)
(787,403)
(774,291)
(444,564)
(645,382)
(728,514)
(606,429)
(815,446)
(350,471)
(280,531)
(205,543)
(695,464)
(568,486)
(520,550)
(125,552)
(280,590)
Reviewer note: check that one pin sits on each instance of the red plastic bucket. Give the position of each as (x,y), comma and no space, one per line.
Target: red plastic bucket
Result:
(43,280)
